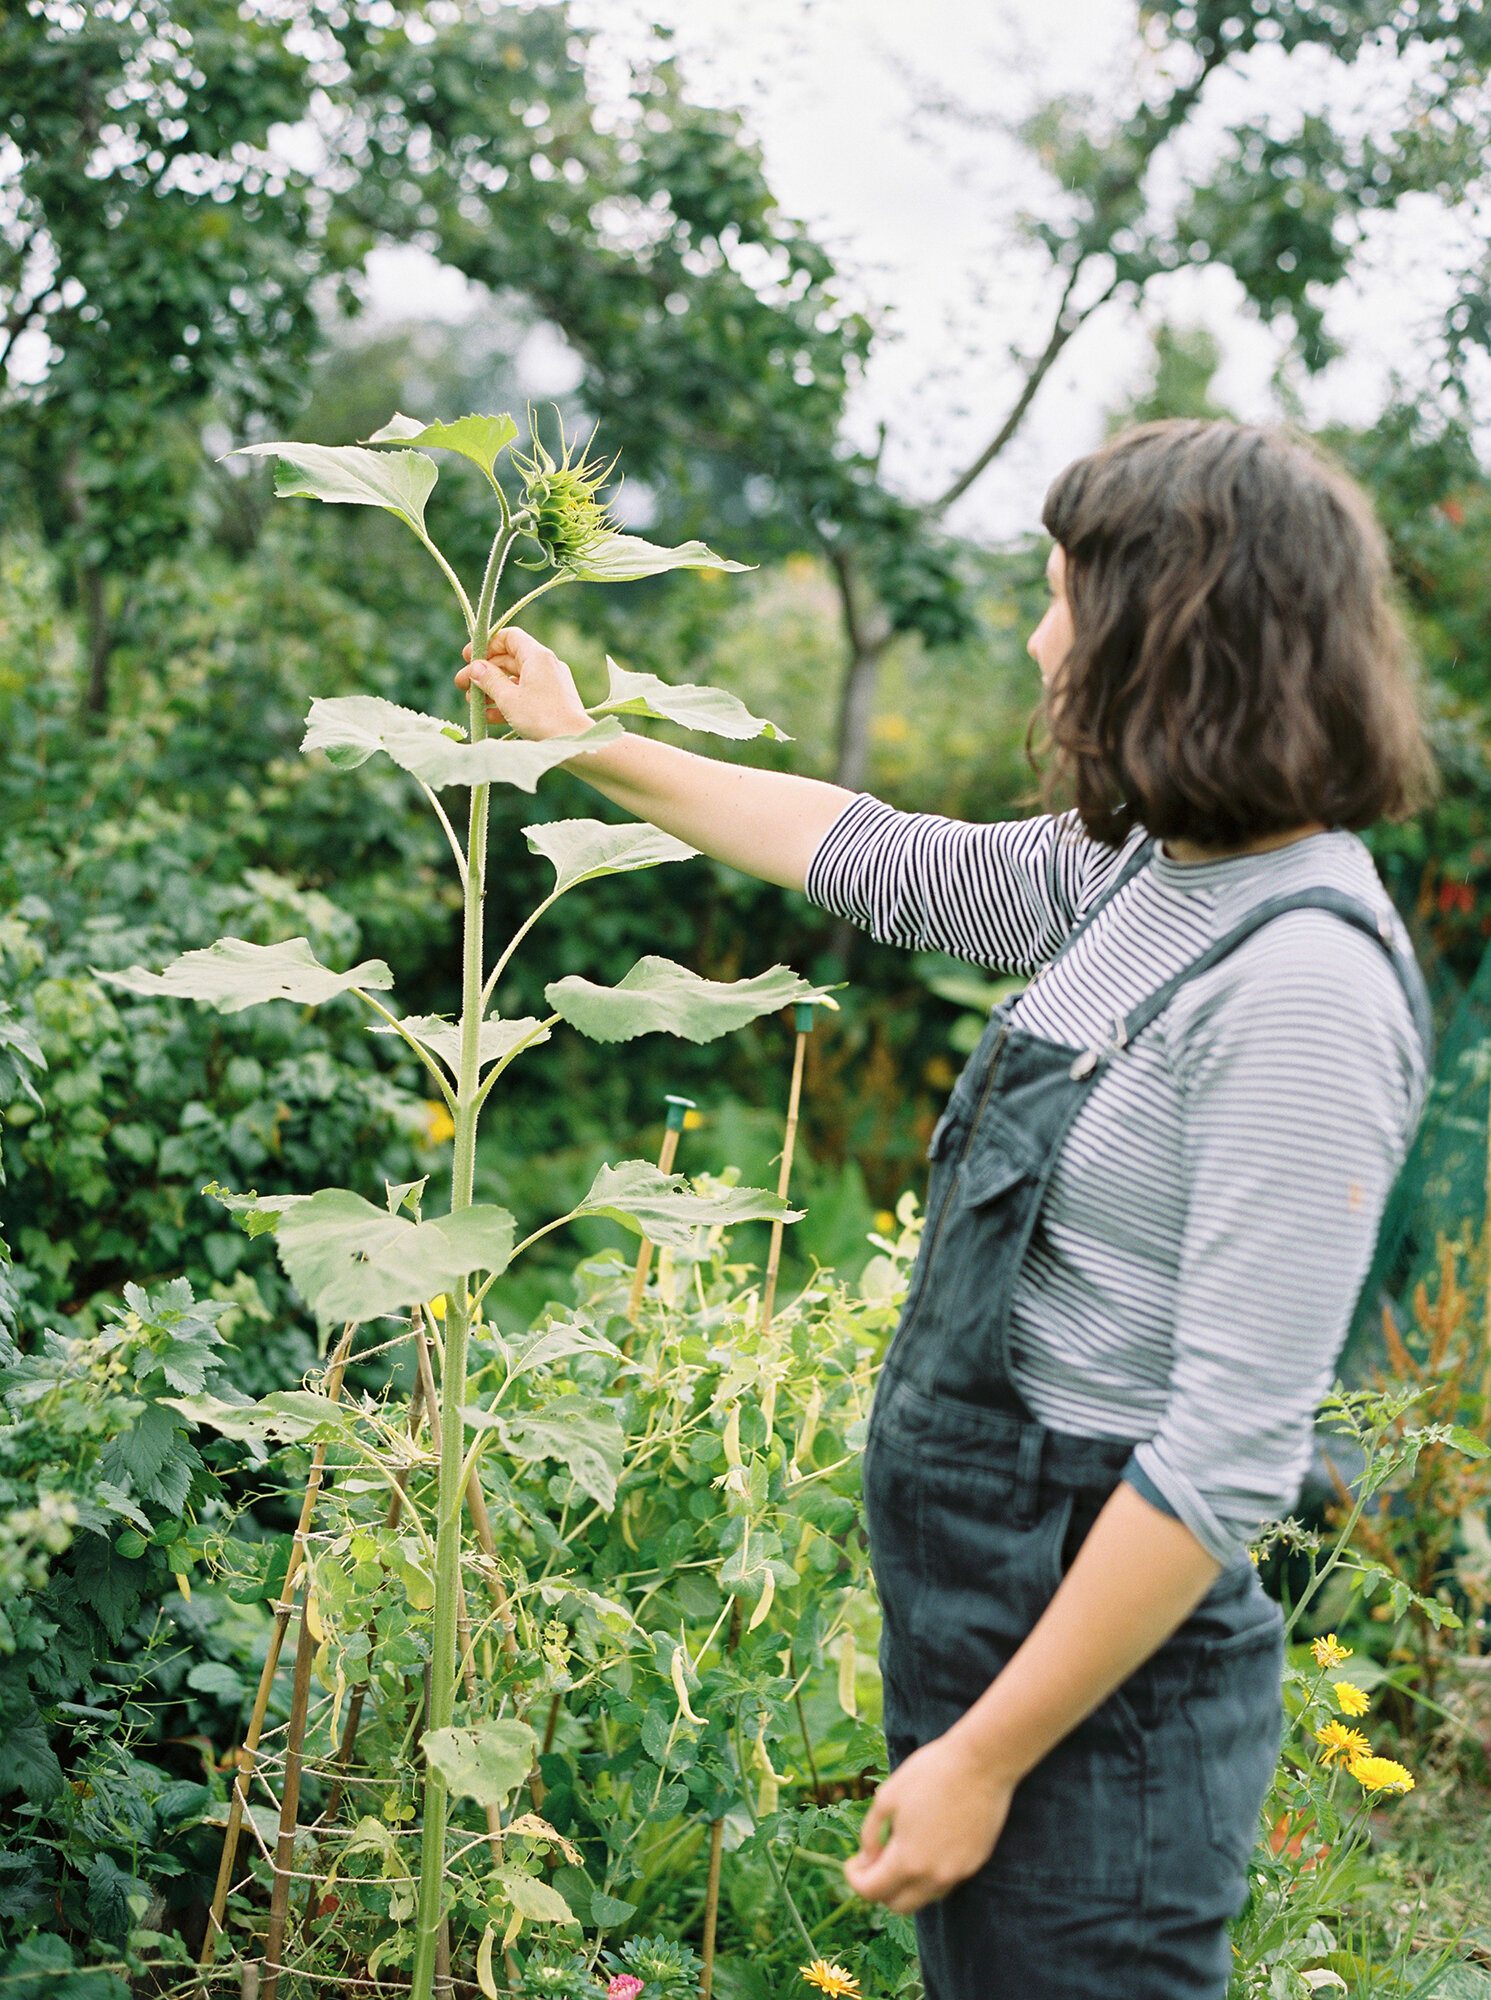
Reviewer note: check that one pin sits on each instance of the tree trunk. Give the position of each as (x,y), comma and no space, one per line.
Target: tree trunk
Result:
(865,644)
(100,641)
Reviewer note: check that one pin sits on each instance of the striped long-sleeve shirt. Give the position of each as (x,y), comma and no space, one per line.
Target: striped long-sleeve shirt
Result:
(1215,1205)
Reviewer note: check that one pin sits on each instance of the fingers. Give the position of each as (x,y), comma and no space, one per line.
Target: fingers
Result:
(877,1824)
(893,1878)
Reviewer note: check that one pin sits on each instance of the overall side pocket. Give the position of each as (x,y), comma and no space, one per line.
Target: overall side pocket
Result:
(1234,1710)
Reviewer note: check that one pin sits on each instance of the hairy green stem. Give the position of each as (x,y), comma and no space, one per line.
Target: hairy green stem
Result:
(502,541)
(453,580)
(443,1660)
(513,609)
(515,940)
(513,1053)
(424,1055)
(450,832)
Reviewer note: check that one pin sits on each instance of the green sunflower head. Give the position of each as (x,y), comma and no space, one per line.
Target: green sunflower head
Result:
(560,496)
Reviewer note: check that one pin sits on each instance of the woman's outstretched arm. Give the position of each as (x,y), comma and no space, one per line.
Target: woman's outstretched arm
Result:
(765,823)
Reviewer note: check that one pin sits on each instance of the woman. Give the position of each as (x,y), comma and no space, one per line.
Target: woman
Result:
(1154,1195)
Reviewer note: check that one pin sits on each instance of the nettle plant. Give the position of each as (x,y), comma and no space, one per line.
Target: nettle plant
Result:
(351,1261)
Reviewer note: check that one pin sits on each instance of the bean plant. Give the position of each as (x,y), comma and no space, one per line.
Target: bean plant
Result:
(353,1262)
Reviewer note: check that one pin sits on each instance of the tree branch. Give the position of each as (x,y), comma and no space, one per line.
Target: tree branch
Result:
(1062,328)
(1155,127)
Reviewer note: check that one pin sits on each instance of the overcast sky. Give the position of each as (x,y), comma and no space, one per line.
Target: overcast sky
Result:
(920,213)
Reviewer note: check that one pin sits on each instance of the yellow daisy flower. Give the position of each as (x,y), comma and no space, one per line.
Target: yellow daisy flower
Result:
(439,1125)
(1342,1745)
(1380,1774)
(1350,1700)
(830,1979)
(1329,1652)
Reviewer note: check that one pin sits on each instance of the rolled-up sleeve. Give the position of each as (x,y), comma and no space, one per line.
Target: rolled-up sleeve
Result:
(1301,1075)
(1003,894)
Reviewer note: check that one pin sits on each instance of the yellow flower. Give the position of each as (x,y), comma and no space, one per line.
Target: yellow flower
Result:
(437,1305)
(830,1979)
(1349,1699)
(1329,1652)
(439,1125)
(1337,1742)
(1380,1774)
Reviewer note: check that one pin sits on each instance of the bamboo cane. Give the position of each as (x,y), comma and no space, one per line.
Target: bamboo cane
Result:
(248,1754)
(712,1905)
(359,1693)
(463,1621)
(1486,1249)
(716,1856)
(805,1018)
(678,1110)
(284,1850)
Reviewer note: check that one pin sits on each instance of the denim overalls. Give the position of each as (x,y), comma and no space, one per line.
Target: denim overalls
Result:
(1126,1848)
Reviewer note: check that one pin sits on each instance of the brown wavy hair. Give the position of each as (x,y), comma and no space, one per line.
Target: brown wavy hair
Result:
(1237,667)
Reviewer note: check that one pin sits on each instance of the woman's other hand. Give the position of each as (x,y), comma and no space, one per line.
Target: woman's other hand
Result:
(527,687)
(933,1823)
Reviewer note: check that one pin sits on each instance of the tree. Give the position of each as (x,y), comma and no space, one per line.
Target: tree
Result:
(170,256)
(154,248)
(1283,209)
(718,352)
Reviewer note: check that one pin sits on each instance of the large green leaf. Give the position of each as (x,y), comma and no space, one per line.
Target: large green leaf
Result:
(659,997)
(345,474)
(486,1762)
(582,1434)
(351,727)
(233,974)
(708,709)
(663,1207)
(579,850)
(350,1260)
(623,558)
(443,1038)
(479,438)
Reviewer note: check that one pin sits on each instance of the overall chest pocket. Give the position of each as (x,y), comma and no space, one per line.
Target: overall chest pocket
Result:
(997,1157)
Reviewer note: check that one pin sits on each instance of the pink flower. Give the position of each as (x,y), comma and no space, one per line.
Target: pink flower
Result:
(625,1986)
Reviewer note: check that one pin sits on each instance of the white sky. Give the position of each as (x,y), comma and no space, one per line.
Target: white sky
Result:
(920,215)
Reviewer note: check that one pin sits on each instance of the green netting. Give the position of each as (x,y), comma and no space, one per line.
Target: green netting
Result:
(1444,1189)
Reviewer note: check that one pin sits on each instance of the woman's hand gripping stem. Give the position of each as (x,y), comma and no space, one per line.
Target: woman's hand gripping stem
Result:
(766,823)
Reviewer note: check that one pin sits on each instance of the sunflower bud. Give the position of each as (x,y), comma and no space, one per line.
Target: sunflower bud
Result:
(559,494)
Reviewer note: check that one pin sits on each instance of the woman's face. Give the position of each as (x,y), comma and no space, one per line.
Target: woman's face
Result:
(1051,641)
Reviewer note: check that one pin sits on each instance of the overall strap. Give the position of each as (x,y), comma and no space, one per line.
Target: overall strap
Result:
(1138,860)
(1358,914)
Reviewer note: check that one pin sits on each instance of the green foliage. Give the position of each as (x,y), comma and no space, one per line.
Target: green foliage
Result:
(1313,1918)
(167,266)
(106,1507)
(609,1634)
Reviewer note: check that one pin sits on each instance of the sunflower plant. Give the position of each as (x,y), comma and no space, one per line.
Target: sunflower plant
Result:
(354,1262)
